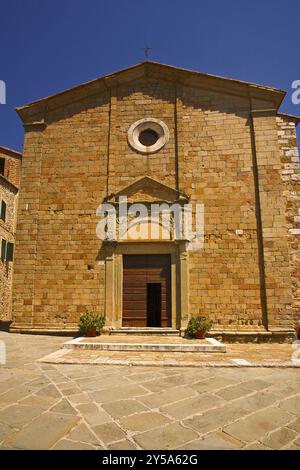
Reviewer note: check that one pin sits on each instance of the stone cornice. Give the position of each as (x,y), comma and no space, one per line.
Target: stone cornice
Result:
(157,71)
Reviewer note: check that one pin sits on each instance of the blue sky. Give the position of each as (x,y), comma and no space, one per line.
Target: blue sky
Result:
(51,45)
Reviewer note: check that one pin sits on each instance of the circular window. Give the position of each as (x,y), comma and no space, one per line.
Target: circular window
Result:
(148,135)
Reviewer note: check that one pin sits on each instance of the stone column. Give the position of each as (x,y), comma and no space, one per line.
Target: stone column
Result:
(109,286)
(118,289)
(184,285)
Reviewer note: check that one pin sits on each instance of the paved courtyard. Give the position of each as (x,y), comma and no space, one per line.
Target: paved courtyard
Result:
(67,406)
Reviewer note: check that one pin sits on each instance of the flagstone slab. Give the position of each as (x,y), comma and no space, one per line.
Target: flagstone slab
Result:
(109,432)
(213,383)
(118,393)
(43,432)
(98,383)
(193,406)
(233,392)
(256,384)
(257,401)
(5,430)
(282,391)
(255,446)
(146,376)
(168,382)
(66,444)
(144,421)
(295,425)
(255,426)
(82,434)
(122,445)
(155,400)
(64,407)
(35,400)
(121,408)
(18,415)
(279,438)
(212,442)
(93,414)
(292,405)
(49,391)
(216,418)
(16,394)
(167,437)
(79,398)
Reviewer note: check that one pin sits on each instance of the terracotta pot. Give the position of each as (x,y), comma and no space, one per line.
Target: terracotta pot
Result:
(200,334)
(91,332)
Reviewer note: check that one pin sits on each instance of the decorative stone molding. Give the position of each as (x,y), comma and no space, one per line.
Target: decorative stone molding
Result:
(158,128)
(35,125)
(114,278)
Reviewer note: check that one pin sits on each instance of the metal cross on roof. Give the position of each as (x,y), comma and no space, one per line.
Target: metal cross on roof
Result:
(147,51)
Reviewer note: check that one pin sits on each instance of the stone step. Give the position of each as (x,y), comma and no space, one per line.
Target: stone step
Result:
(209,345)
(145,331)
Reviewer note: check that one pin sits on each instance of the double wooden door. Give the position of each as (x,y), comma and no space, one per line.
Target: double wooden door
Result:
(146,291)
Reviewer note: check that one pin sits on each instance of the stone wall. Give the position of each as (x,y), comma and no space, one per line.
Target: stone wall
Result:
(63,181)
(12,167)
(8,193)
(291,191)
(215,167)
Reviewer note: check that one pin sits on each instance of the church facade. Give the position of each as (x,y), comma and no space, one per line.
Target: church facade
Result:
(156,135)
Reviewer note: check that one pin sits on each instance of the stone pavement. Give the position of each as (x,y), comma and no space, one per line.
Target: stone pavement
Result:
(65,406)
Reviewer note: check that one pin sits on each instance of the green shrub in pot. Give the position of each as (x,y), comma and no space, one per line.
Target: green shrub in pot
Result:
(198,326)
(91,324)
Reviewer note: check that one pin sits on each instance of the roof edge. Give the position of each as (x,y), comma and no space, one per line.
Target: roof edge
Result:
(106,79)
(78,87)
(6,180)
(10,151)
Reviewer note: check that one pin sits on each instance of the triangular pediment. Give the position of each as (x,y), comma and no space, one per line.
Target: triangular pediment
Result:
(171,74)
(148,190)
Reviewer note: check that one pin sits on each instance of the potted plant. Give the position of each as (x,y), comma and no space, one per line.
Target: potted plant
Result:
(91,324)
(198,326)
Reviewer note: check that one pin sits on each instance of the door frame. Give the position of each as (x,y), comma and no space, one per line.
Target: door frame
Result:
(114,278)
(163,262)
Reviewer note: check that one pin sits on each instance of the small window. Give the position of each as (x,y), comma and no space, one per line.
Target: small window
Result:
(10,251)
(2,166)
(148,137)
(3,211)
(3,250)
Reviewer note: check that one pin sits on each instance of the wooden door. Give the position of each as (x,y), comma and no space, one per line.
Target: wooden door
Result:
(146,290)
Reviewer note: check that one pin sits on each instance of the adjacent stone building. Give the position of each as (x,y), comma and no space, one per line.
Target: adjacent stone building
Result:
(10,168)
(158,134)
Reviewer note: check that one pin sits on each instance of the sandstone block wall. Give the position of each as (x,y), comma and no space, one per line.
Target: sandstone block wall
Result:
(80,155)
(9,194)
(289,155)
(12,167)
